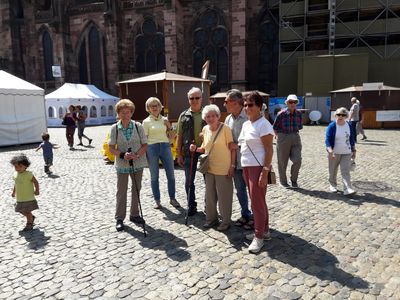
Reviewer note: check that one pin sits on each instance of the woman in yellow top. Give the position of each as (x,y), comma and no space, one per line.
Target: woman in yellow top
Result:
(156,128)
(219,185)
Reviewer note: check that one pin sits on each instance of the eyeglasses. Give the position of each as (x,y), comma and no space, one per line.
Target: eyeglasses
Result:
(249,105)
(292,102)
(154,106)
(194,98)
(341,115)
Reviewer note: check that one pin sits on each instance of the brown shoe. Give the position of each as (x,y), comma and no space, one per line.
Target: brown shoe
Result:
(223,227)
(174,203)
(157,205)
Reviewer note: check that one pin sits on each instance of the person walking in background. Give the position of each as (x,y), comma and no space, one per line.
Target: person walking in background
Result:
(217,139)
(237,116)
(25,188)
(156,127)
(340,144)
(69,121)
(256,150)
(47,148)
(128,143)
(354,116)
(81,123)
(287,125)
(360,123)
(190,125)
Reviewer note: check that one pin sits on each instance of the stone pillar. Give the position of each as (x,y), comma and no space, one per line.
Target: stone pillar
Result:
(170,37)
(238,45)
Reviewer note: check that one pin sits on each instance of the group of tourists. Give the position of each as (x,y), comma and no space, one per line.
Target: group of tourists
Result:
(239,152)
(74,118)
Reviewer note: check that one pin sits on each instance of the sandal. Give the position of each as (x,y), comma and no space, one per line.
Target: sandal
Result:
(241,222)
(28,227)
(249,225)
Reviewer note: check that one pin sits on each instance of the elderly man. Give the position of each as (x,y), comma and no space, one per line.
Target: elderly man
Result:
(354,115)
(286,126)
(237,116)
(189,128)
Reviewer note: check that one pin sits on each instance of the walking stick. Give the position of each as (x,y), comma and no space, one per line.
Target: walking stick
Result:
(138,195)
(189,186)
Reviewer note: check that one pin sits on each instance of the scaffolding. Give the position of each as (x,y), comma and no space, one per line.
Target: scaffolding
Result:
(332,27)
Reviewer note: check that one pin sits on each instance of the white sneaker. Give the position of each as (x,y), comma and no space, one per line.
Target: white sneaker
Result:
(267,236)
(256,245)
(333,189)
(349,191)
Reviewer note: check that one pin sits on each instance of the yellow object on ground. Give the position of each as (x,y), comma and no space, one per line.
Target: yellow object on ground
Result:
(105,151)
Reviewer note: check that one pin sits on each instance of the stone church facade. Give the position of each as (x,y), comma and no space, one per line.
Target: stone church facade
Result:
(102,42)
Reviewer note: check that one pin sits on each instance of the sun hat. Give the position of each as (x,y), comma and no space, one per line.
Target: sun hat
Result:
(292,97)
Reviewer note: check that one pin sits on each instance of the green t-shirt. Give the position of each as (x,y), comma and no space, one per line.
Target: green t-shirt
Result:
(24,186)
(198,126)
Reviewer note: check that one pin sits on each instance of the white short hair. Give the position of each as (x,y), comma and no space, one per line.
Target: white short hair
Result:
(194,90)
(153,100)
(210,108)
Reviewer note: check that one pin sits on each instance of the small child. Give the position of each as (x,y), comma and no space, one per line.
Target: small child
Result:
(25,188)
(47,152)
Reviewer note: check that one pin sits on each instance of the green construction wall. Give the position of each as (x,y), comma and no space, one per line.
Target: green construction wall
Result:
(386,71)
(287,80)
(350,70)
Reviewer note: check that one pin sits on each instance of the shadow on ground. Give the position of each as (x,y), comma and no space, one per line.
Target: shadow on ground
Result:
(159,239)
(310,259)
(352,200)
(36,238)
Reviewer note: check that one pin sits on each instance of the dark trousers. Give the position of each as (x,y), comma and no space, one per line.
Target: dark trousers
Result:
(189,182)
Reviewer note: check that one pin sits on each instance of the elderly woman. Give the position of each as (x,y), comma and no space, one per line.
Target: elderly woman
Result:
(255,141)
(156,127)
(69,121)
(219,185)
(128,143)
(340,144)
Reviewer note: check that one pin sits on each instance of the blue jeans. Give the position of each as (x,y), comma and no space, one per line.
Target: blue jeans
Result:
(354,128)
(241,193)
(191,196)
(156,152)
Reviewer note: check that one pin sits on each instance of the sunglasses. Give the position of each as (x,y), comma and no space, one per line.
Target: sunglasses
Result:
(341,115)
(194,98)
(292,102)
(249,105)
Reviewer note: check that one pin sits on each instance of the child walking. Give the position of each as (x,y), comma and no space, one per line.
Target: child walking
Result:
(25,188)
(47,152)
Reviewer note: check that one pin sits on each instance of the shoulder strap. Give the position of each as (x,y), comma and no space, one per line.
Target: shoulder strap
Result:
(137,130)
(215,138)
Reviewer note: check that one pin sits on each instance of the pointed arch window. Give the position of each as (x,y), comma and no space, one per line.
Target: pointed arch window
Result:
(47,56)
(150,48)
(91,58)
(210,40)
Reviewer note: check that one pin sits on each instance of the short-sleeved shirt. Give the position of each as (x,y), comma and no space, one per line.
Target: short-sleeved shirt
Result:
(287,122)
(47,149)
(198,124)
(220,157)
(355,108)
(236,124)
(155,129)
(24,186)
(251,137)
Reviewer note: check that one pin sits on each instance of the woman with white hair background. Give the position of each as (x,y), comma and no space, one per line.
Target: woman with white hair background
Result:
(340,144)
(156,127)
(219,184)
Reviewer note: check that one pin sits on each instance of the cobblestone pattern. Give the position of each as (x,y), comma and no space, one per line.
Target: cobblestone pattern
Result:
(324,245)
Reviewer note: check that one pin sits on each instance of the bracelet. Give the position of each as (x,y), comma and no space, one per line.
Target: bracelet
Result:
(122,155)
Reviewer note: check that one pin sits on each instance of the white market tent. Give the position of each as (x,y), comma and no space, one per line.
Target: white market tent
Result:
(23,114)
(98,105)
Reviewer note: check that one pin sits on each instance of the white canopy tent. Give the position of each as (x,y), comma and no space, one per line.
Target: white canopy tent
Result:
(98,105)
(22,114)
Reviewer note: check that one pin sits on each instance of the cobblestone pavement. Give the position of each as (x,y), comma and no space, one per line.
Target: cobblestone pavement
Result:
(324,245)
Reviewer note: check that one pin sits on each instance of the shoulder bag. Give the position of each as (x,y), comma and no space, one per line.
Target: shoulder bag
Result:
(271,179)
(203,163)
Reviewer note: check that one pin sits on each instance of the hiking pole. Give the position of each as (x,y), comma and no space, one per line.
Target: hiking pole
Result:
(137,194)
(189,186)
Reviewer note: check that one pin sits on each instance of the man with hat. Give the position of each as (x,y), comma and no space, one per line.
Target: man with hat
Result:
(354,115)
(286,126)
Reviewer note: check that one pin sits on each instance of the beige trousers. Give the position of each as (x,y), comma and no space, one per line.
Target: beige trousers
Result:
(288,146)
(219,188)
(344,161)
(122,188)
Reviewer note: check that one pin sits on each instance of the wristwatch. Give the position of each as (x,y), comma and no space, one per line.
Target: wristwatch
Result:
(266,168)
